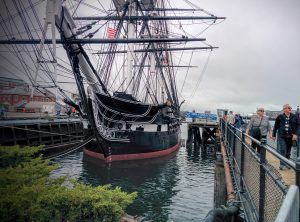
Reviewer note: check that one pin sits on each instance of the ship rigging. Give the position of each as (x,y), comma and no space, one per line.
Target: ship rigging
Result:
(126,80)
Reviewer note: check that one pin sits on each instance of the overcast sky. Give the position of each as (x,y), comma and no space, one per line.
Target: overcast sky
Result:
(258,60)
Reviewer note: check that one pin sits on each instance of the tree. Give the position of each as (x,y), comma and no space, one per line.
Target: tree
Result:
(29,194)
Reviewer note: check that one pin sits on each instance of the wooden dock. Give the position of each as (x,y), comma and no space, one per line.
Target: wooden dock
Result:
(202,132)
(58,135)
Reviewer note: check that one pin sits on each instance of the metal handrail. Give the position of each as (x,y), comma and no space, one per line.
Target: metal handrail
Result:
(233,136)
(289,210)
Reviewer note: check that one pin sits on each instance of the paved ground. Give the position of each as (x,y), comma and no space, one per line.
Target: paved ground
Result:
(288,176)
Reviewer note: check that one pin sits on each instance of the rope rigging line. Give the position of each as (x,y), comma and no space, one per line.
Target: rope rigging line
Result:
(15,49)
(44,67)
(15,14)
(201,75)
(187,71)
(197,7)
(157,58)
(27,27)
(72,150)
(22,14)
(47,69)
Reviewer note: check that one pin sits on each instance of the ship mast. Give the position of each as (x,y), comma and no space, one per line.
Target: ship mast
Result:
(130,49)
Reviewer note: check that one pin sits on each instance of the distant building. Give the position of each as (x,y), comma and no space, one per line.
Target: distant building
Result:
(7,83)
(272,114)
(222,112)
(15,94)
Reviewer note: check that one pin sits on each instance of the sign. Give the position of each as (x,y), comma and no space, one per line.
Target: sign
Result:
(208,116)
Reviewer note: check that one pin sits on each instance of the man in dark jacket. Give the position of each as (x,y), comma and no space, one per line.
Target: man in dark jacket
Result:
(238,121)
(286,126)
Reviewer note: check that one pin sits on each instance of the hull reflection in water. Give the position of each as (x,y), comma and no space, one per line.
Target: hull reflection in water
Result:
(178,187)
(153,179)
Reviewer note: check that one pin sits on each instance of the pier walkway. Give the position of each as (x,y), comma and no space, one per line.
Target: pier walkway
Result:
(265,192)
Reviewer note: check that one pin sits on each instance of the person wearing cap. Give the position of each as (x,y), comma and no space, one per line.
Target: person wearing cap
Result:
(286,125)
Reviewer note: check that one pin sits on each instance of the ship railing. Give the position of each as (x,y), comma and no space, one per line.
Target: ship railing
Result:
(259,182)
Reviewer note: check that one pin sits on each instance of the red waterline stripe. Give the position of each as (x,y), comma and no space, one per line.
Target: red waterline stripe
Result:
(135,156)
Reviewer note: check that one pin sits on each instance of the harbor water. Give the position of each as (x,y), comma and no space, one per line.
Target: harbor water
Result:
(178,187)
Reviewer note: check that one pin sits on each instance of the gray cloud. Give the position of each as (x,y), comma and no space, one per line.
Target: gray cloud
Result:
(258,61)
(259,56)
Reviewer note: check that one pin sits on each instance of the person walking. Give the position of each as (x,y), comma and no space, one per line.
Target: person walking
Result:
(238,121)
(286,125)
(298,112)
(230,118)
(259,126)
(298,131)
(1,113)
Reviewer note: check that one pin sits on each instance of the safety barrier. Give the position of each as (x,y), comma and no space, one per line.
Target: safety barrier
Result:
(289,210)
(260,186)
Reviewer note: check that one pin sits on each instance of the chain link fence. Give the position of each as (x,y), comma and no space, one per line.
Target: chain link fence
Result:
(259,184)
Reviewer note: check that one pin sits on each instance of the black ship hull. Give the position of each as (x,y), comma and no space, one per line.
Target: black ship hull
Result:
(142,145)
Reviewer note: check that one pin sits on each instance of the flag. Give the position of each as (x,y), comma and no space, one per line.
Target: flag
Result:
(111,33)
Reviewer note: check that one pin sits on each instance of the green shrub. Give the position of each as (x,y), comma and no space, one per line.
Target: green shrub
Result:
(13,155)
(28,194)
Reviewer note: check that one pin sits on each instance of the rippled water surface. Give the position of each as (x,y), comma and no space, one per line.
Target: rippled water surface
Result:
(174,188)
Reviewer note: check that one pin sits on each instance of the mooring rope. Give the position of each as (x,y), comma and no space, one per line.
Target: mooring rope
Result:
(74,149)
(39,131)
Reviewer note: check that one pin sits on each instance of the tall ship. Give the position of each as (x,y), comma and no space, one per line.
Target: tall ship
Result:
(126,79)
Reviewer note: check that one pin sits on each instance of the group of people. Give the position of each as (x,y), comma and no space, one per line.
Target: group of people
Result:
(235,119)
(286,130)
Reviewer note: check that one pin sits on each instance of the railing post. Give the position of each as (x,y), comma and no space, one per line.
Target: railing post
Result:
(233,141)
(262,183)
(298,173)
(225,131)
(228,135)
(242,161)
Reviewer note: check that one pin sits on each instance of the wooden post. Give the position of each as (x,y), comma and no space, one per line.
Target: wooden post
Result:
(68,131)
(50,129)
(61,138)
(40,134)
(76,129)
(26,133)
(220,185)
(14,136)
